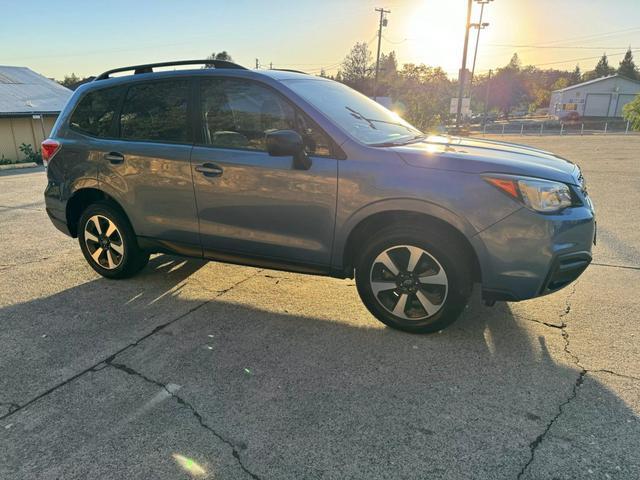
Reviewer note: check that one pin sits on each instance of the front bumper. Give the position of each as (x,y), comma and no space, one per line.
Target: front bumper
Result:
(528,254)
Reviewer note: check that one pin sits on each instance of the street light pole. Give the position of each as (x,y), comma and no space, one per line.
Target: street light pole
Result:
(464,65)
(479,26)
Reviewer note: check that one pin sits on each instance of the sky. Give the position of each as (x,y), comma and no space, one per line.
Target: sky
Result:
(90,36)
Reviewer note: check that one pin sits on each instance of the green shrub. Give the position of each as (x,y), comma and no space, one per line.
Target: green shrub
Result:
(29,154)
(631,112)
(5,161)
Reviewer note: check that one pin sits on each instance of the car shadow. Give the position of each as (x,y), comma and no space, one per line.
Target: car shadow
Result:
(47,340)
(328,394)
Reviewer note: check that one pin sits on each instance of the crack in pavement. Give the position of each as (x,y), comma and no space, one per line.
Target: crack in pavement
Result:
(99,365)
(181,401)
(615,374)
(630,267)
(18,207)
(541,322)
(533,446)
(12,406)
(579,381)
(7,266)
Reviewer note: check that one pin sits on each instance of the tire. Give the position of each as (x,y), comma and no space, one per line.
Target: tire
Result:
(412,267)
(116,255)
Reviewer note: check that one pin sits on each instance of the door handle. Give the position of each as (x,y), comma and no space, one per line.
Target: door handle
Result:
(209,170)
(114,157)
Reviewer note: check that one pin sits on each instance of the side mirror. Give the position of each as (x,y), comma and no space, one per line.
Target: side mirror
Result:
(284,143)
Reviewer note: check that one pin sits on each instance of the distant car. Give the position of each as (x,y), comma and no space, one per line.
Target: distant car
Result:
(572,116)
(290,171)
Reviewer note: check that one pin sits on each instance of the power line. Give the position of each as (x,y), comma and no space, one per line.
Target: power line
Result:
(583,58)
(547,44)
(397,42)
(568,47)
(301,64)
(571,60)
(590,36)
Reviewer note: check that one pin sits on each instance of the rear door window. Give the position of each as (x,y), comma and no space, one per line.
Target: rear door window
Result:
(94,114)
(156,111)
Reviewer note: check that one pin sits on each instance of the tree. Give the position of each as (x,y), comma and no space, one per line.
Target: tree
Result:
(356,68)
(73,81)
(537,86)
(422,94)
(507,88)
(514,63)
(576,76)
(631,112)
(387,74)
(602,68)
(562,82)
(223,55)
(627,66)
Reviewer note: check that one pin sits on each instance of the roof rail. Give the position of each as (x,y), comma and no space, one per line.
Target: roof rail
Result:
(288,70)
(148,68)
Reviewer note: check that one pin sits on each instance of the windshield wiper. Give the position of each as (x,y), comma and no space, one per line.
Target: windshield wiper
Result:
(371,121)
(362,117)
(415,138)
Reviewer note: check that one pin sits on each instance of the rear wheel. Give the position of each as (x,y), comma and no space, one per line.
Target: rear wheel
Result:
(108,242)
(416,280)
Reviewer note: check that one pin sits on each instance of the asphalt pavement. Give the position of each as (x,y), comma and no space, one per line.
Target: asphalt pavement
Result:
(208,370)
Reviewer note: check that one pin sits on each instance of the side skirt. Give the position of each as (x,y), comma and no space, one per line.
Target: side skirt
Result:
(195,251)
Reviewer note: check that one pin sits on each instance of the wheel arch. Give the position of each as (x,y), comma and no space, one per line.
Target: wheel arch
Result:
(365,224)
(80,200)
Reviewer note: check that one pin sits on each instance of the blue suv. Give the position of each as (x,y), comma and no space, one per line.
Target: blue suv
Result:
(290,171)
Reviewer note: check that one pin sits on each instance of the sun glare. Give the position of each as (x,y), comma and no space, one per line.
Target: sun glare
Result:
(189,465)
(434,32)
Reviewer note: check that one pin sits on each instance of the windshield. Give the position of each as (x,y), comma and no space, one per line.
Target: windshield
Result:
(365,120)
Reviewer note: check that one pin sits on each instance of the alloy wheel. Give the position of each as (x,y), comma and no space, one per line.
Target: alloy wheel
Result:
(409,282)
(104,242)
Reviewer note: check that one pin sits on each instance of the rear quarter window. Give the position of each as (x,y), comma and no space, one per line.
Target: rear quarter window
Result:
(95,112)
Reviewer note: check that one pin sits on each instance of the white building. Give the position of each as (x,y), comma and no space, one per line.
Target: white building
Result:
(602,97)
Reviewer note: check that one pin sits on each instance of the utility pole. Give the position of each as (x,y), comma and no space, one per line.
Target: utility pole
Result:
(461,79)
(486,99)
(383,23)
(479,26)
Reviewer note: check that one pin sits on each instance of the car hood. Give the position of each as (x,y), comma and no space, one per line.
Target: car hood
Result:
(470,155)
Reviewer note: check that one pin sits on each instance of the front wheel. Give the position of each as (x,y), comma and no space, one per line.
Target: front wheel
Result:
(108,242)
(416,280)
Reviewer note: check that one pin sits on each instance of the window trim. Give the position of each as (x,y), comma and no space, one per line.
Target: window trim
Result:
(336,152)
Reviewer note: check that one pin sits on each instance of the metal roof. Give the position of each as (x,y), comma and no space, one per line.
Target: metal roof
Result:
(24,92)
(596,80)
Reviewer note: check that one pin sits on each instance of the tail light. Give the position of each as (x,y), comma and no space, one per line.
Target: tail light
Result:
(49,149)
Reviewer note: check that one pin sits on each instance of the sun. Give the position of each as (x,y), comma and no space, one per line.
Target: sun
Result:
(435,30)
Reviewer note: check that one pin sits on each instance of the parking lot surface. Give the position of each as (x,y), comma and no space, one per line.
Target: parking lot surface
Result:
(207,370)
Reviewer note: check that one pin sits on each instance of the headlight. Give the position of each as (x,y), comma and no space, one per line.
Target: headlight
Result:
(542,196)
